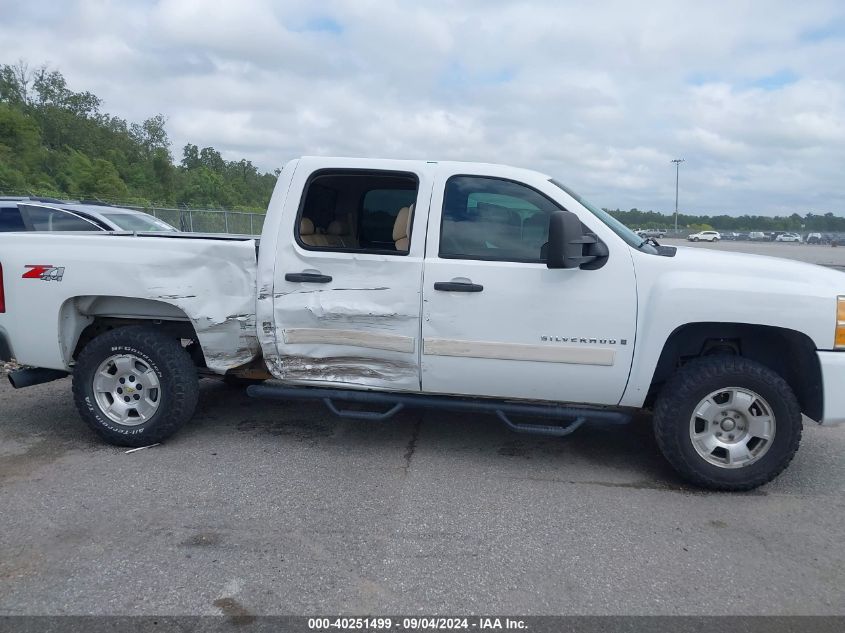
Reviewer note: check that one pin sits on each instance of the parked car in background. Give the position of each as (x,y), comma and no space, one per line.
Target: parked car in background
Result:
(814,238)
(788,237)
(10,215)
(730,235)
(44,216)
(705,236)
(758,236)
(659,233)
(47,214)
(742,236)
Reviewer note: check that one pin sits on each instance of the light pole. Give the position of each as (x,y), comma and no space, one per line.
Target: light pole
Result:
(677,162)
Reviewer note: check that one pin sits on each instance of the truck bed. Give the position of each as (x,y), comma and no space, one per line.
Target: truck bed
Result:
(206,280)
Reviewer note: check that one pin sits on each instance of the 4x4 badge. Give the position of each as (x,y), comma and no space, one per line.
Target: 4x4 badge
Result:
(44,272)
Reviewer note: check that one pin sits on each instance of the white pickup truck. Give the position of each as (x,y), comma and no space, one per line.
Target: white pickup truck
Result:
(390,283)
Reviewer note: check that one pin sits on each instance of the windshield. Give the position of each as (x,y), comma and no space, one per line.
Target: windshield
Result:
(137,222)
(612,223)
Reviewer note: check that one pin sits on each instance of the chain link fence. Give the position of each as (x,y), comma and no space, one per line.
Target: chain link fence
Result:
(206,220)
(185,218)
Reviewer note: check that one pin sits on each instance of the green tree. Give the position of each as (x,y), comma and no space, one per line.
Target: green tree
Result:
(55,141)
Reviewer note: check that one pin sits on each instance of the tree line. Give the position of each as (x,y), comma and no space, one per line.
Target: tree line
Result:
(57,142)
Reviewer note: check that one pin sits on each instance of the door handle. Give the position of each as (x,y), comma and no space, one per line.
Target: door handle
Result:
(457,286)
(308,278)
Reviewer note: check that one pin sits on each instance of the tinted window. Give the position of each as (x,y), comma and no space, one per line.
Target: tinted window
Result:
(612,223)
(492,219)
(10,219)
(378,215)
(43,219)
(348,210)
(138,222)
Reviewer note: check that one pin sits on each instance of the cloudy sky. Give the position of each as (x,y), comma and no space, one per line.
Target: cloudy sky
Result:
(601,95)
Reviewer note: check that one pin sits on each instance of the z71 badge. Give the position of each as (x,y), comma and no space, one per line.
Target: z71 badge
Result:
(44,272)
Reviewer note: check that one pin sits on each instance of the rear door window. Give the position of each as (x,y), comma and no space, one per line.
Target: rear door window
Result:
(357,211)
(378,216)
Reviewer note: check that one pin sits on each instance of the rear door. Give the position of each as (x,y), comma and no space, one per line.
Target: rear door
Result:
(348,274)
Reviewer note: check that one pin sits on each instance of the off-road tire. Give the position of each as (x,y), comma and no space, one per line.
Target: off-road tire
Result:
(177,375)
(695,380)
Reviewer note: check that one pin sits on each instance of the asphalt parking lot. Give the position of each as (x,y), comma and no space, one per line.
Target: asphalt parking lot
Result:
(815,254)
(265,507)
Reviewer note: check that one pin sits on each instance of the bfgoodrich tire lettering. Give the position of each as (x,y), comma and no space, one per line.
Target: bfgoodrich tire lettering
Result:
(178,388)
(693,382)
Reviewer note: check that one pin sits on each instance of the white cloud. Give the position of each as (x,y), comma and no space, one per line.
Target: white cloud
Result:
(603,96)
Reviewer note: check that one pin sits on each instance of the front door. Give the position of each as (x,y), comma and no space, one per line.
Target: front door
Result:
(348,278)
(498,322)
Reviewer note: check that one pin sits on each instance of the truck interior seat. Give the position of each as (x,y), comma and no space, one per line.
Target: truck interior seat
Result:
(535,230)
(308,234)
(338,234)
(402,228)
(498,214)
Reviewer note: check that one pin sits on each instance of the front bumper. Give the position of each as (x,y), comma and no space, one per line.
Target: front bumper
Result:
(833,384)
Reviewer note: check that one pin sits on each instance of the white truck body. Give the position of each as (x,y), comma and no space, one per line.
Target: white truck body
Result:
(379,325)
(208,282)
(575,335)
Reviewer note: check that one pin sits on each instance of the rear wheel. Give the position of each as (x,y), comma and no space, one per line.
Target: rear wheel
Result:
(727,423)
(135,386)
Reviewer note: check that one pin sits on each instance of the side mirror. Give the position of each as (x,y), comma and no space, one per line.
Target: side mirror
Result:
(569,246)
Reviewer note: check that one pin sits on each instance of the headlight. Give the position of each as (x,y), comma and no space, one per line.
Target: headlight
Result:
(839,336)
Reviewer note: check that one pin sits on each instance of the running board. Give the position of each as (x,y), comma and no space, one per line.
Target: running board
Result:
(395,402)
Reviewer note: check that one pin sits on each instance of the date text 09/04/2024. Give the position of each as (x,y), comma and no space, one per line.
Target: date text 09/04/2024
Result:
(416,623)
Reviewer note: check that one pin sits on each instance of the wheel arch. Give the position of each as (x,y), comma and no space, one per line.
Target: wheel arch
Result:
(82,318)
(789,353)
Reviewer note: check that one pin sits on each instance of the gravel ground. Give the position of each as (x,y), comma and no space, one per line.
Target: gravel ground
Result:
(281,508)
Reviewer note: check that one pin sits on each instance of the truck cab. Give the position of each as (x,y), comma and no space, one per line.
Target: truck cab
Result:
(431,277)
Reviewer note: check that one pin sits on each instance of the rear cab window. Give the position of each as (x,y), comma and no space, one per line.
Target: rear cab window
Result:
(357,211)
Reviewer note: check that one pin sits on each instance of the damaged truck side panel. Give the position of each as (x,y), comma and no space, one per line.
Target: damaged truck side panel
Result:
(133,278)
(362,327)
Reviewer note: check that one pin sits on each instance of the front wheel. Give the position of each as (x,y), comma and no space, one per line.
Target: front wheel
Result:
(135,386)
(727,423)
(695,239)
